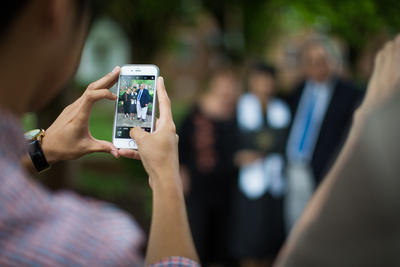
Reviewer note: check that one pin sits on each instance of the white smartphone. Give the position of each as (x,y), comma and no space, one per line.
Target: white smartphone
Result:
(136,104)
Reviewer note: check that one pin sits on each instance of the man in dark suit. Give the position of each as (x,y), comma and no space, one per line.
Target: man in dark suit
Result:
(323,107)
(143,102)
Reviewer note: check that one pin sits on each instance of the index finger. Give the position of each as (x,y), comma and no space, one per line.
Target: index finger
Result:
(107,81)
(163,100)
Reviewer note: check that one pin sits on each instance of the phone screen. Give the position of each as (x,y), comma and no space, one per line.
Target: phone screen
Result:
(135,104)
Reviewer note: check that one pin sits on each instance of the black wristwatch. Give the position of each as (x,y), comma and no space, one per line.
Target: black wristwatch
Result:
(34,138)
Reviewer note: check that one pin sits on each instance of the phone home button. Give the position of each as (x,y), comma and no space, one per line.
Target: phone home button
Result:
(132,143)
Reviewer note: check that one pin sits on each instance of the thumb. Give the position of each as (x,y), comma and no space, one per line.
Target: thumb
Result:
(138,133)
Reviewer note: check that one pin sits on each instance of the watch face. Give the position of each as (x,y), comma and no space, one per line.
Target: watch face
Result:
(32,134)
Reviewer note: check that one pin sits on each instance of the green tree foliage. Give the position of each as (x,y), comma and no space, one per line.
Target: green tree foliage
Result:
(247,26)
(356,21)
(144,21)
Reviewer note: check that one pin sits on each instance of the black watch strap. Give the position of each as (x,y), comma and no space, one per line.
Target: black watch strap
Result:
(37,156)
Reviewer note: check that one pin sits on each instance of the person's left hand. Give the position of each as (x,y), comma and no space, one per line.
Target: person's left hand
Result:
(69,136)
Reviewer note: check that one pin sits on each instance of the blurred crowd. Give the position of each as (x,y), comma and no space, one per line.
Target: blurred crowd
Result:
(251,157)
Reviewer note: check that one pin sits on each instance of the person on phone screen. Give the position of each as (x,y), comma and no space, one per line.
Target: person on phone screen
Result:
(126,98)
(143,99)
(132,107)
(39,227)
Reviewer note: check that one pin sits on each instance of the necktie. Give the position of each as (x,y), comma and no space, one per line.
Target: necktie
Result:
(140,94)
(303,145)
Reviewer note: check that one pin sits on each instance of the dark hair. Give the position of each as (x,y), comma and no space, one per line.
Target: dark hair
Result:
(229,71)
(262,67)
(10,10)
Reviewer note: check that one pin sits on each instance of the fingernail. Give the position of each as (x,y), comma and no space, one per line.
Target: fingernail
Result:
(115,69)
(162,80)
(115,95)
(115,154)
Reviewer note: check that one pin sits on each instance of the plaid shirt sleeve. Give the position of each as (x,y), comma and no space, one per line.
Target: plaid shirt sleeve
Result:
(176,262)
(38,228)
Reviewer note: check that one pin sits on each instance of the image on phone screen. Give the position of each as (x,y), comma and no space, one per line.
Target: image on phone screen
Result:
(135,104)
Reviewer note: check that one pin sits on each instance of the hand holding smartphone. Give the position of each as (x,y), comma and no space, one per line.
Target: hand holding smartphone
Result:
(136,104)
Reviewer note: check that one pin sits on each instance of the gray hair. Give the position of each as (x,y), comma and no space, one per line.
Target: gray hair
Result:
(333,53)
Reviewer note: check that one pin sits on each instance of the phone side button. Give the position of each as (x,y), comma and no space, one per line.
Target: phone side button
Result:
(132,143)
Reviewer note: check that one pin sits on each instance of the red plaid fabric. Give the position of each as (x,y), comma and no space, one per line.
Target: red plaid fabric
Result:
(42,228)
(176,261)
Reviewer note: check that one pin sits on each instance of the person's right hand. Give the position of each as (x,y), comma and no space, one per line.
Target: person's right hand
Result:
(385,80)
(158,150)
(69,136)
(169,232)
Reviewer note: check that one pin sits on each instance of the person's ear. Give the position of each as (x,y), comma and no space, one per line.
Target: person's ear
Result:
(55,15)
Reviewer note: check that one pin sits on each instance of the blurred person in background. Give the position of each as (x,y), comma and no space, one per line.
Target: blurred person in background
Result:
(40,47)
(323,107)
(206,148)
(257,220)
(353,219)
